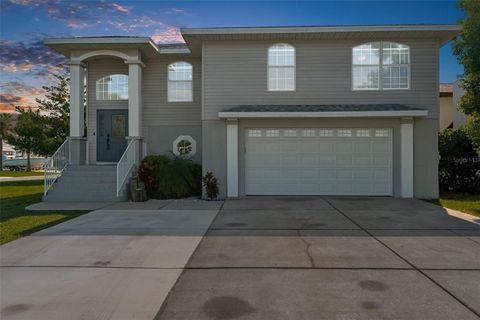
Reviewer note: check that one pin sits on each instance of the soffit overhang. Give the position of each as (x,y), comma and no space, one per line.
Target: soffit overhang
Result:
(443,33)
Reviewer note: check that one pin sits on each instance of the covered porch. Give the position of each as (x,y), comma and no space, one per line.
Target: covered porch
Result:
(104,130)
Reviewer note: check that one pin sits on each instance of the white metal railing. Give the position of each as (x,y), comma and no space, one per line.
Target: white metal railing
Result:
(126,164)
(55,165)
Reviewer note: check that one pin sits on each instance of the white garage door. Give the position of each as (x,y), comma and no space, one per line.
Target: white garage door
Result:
(318,161)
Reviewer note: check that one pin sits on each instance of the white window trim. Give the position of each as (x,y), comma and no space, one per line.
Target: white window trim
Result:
(110,75)
(184,137)
(294,69)
(177,81)
(380,65)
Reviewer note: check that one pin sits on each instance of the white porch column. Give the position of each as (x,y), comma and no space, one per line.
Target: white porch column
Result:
(77,126)
(135,107)
(232,158)
(134,99)
(406,157)
(77,142)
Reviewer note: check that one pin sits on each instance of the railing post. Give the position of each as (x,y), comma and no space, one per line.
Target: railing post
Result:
(55,165)
(45,178)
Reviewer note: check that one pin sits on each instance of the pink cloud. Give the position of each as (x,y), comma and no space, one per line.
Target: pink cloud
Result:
(17,94)
(10,67)
(171,34)
(120,8)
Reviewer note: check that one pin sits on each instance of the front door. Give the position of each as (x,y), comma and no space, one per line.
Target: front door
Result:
(112,128)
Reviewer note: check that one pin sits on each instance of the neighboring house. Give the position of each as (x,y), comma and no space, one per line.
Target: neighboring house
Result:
(337,110)
(450,115)
(459,118)
(446,105)
(8,152)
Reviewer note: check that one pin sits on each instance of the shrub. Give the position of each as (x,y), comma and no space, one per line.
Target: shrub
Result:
(211,185)
(167,177)
(459,167)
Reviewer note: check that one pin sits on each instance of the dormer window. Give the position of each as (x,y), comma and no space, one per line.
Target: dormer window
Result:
(112,87)
(281,67)
(180,82)
(381,66)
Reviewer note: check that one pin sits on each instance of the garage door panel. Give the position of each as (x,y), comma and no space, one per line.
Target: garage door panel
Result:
(344,160)
(289,146)
(318,161)
(309,160)
(381,174)
(325,174)
(363,160)
(382,189)
(381,160)
(363,147)
(381,146)
(326,146)
(363,174)
(326,159)
(344,147)
(344,174)
(309,147)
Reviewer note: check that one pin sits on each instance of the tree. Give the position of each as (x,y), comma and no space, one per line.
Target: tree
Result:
(29,133)
(5,127)
(467,49)
(56,113)
(459,170)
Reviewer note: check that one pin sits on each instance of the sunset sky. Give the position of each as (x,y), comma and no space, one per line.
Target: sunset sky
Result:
(26,64)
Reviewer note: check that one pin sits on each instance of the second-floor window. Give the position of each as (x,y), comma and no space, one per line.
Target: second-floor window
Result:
(281,67)
(180,82)
(381,66)
(112,87)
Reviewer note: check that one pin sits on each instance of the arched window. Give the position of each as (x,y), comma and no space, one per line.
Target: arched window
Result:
(381,66)
(281,67)
(180,85)
(113,87)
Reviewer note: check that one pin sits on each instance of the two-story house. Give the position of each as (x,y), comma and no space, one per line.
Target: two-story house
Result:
(327,110)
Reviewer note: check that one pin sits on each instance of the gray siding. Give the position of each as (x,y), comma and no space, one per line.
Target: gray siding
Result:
(157,111)
(160,118)
(96,70)
(235,73)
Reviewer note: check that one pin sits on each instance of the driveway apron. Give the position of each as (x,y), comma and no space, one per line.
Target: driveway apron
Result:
(117,263)
(331,258)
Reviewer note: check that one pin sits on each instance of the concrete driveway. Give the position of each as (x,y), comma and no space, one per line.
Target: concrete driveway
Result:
(331,258)
(116,263)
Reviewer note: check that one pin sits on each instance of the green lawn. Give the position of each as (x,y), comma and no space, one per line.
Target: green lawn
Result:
(9,173)
(15,221)
(467,203)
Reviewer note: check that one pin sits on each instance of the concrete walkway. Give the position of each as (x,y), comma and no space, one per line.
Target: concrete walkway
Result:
(10,179)
(152,204)
(114,263)
(332,258)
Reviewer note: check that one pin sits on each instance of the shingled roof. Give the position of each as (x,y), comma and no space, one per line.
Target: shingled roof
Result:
(321,108)
(322,111)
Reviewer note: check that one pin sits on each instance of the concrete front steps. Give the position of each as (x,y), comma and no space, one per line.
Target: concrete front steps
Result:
(86,184)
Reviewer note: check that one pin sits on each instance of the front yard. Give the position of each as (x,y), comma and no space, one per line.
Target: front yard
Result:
(467,203)
(15,174)
(15,221)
